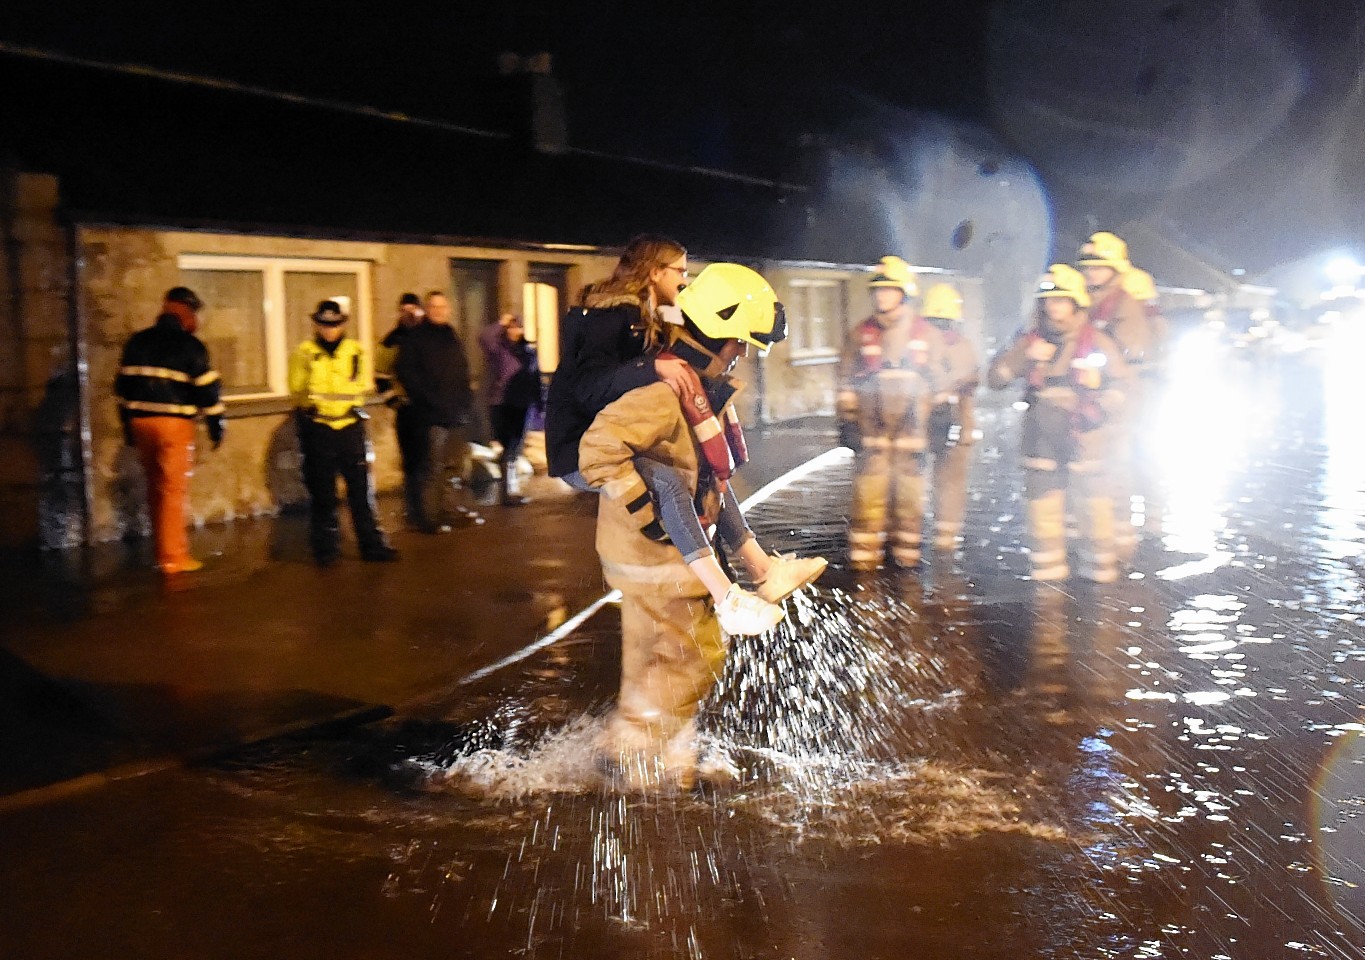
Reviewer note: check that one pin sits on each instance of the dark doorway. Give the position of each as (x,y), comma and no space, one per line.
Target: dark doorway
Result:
(475,303)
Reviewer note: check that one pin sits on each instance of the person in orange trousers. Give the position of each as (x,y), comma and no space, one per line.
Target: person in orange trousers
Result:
(164,384)
(165,445)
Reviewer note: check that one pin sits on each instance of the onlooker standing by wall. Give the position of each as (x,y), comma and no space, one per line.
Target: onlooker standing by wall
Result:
(410,434)
(434,371)
(164,382)
(325,380)
(512,386)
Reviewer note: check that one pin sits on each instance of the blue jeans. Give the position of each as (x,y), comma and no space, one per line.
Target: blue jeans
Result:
(678,515)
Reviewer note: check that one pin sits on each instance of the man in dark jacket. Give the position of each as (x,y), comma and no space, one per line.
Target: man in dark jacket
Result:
(411,435)
(434,372)
(164,382)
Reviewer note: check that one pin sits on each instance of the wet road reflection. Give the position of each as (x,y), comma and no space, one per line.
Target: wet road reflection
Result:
(951,762)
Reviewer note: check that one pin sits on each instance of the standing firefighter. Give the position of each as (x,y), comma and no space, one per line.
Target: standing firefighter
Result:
(1134,488)
(952,423)
(673,649)
(1116,311)
(890,369)
(164,382)
(1103,259)
(1075,375)
(325,378)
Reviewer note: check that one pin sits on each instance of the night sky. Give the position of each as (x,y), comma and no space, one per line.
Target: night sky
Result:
(1234,121)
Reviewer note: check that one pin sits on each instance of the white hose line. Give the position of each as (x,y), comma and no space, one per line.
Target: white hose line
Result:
(828,458)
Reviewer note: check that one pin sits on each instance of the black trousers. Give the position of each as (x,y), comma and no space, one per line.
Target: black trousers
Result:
(412,450)
(509,427)
(328,453)
(433,478)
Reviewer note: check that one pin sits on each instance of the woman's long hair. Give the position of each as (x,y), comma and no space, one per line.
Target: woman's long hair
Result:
(644,254)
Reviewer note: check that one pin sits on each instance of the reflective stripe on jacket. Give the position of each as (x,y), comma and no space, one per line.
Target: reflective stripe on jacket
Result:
(164,372)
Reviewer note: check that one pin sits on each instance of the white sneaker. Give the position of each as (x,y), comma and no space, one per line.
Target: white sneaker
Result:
(744,614)
(789,574)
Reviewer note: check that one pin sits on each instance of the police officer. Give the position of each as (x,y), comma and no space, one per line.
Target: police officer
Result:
(952,422)
(891,367)
(1075,378)
(326,380)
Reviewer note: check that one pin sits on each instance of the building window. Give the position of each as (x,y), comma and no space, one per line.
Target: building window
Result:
(816,317)
(258,309)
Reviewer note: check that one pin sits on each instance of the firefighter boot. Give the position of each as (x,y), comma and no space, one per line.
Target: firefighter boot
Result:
(1099,562)
(909,511)
(950,495)
(871,487)
(1047,536)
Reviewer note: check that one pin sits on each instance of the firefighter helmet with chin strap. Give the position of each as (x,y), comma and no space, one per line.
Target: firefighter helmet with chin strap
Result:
(942,302)
(728,301)
(1104,249)
(894,272)
(1063,281)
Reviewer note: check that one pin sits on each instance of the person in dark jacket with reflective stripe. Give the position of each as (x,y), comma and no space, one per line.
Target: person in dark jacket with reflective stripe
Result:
(164,383)
(434,372)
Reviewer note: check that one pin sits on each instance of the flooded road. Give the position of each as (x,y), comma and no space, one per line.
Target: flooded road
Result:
(951,762)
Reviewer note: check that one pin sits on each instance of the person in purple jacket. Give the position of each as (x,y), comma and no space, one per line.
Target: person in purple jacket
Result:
(511,386)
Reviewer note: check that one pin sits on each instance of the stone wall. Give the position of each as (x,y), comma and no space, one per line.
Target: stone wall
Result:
(41,485)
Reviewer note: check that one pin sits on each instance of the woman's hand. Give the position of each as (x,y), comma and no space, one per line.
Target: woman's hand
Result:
(679,376)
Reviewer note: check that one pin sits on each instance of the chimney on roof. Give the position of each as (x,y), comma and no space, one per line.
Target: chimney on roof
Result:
(534,101)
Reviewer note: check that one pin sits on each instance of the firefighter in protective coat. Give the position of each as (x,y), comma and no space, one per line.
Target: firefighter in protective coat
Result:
(1103,259)
(325,379)
(891,367)
(1075,377)
(952,422)
(673,649)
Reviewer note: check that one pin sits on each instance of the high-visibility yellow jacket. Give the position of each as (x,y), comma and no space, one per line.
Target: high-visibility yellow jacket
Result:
(328,386)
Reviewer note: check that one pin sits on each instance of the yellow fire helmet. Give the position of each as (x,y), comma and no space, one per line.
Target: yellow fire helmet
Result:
(1140,285)
(728,301)
(943,302)
(1063,281)
(895,272)
(1104,250)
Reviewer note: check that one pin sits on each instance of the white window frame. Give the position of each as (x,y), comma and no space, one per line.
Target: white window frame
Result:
(277,347)
(798,330)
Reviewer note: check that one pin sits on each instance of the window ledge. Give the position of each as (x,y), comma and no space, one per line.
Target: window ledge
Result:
(267,406)
(813,359)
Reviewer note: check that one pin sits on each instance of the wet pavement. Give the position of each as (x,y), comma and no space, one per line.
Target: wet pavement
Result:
(949,762)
